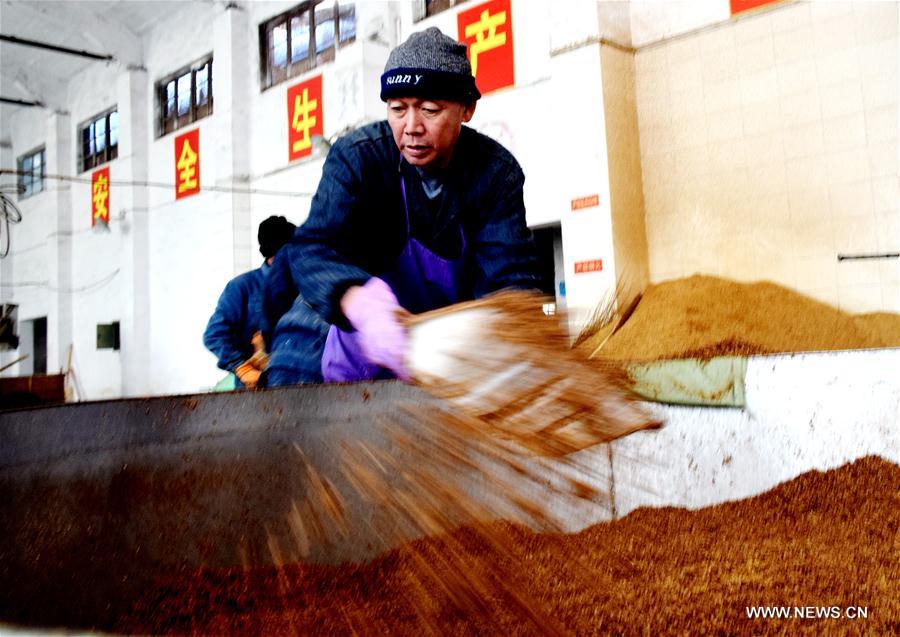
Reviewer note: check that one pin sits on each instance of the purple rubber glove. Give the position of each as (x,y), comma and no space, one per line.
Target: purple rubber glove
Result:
(373,310)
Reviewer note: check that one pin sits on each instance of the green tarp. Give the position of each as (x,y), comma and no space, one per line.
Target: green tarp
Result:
(226,384)
(715,382)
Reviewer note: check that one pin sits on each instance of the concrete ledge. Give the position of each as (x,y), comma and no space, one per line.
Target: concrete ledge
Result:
(802,412)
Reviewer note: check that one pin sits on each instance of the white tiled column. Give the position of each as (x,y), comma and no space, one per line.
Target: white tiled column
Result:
(134,107)
(586,232)
(232,87)
(8,183)
(59,317)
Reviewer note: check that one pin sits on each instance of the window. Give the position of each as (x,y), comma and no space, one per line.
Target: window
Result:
(32,173)
(185,96)
(303,38)
(433,7)
(100,140)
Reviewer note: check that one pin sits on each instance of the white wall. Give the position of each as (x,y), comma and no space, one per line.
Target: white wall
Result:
(30,240)
(96,263)
(164,262)
(8,184)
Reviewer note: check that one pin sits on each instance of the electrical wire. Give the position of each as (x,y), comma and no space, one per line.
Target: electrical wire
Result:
(158,184)
(46,284)
(90,287)
(9,214)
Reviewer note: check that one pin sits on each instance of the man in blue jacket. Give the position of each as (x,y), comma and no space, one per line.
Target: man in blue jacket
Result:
(411,214)
(238,314)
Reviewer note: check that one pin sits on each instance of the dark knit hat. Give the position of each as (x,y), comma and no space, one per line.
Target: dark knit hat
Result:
(273,233)
(430,65)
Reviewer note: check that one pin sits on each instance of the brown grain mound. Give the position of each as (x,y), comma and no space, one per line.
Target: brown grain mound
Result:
(823,540)
(705,316)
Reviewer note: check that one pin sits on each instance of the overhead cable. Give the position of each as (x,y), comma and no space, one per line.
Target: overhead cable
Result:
(157,184)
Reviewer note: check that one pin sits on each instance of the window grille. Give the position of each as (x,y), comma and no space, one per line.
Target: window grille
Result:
(303,38)
(32,175)
(185,97)
(99,140)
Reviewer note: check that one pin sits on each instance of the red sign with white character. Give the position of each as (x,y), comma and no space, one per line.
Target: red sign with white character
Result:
(486,30)
(304,107)
(187,164)
(100,197)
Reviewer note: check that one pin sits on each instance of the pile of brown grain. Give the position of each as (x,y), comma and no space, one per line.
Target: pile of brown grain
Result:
(704,316)
(822,539)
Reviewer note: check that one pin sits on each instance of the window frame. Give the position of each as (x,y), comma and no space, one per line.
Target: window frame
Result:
(20,176)
(168,123)
(89,161)
(423,10)
(271,74)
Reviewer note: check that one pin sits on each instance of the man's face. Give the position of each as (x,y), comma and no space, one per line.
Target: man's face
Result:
(426,131)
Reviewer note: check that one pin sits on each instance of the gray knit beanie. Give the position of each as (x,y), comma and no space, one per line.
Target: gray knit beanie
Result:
(430,65)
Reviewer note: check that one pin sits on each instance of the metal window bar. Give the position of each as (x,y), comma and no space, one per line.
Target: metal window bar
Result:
(313,29)
(325,51)
(112,147)
(209,88)
(345,13)
(337,25)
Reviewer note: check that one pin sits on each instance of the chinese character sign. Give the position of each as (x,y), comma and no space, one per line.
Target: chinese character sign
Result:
(187,164)
(304,107)
(590,201)
(100,197)
(594,265)
(739,6)
(487,30)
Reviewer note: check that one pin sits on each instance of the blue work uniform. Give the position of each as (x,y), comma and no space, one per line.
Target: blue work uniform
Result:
(294,333)
(359,224)
(237,317)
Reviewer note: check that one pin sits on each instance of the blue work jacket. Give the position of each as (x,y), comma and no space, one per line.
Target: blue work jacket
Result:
(294,334)
(357,225)
(237,317)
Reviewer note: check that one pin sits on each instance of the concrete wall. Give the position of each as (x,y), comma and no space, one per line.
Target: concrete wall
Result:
(803,412)
(625,175)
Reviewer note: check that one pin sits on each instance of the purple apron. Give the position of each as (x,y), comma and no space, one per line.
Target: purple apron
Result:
(420,279)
